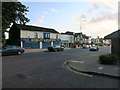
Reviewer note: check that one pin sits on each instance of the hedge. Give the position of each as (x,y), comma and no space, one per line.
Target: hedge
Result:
(108,59)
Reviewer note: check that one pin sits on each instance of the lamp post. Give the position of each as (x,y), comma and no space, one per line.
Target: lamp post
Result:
(80,37)
(80,25)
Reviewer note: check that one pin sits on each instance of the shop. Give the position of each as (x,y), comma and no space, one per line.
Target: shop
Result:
(32,37)
(31,43)
(67,39)
(65,43)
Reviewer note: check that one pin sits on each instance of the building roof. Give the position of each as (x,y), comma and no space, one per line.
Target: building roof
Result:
(35,28)
(77,34)
(84,36)
(65,34)
(115,34)
(68,33)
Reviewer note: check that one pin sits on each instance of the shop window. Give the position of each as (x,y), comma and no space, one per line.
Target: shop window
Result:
(46,35)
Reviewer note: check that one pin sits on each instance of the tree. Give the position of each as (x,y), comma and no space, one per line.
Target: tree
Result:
(13,12)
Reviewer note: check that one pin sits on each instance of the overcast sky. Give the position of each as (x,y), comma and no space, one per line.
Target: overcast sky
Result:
(101,16)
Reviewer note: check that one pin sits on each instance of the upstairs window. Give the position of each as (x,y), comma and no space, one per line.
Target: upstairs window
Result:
(46,35)
(36,35)
(56,36)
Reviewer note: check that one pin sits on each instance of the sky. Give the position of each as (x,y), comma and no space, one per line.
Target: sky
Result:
(96,17)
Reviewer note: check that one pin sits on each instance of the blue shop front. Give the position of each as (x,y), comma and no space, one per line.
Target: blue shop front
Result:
(39,43)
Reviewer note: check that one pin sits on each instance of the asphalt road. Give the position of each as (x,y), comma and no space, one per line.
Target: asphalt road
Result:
(45,70)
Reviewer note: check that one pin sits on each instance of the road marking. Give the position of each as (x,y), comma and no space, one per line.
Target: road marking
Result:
(66,62)
(100,68)
(78,61)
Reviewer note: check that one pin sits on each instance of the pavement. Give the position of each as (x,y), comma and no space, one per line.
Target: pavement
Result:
(39,50)
(90,64)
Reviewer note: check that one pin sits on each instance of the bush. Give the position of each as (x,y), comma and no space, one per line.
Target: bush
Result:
(108,59)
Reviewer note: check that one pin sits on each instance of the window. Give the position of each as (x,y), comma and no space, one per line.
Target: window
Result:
(36,35)
(47,35)
(14,47)
(56,36)
(8,47)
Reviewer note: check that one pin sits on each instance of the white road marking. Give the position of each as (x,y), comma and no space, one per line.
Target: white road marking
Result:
(100,68)
(78,61)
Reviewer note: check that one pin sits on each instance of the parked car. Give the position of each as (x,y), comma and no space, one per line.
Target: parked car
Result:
(56,48)
(85,47)
(12,49)
(94,48)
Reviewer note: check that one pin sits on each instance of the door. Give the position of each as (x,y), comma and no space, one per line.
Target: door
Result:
(31,45)
(26,45)
(8,50)
(45,45)
(35,45)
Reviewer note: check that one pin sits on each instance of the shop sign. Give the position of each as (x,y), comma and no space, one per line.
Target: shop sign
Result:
(29,40)
(64,41)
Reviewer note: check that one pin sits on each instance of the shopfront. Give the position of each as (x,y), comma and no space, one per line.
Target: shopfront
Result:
(31,43)
(65,43)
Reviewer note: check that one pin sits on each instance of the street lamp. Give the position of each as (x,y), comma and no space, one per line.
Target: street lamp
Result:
(80,25)
(81,32)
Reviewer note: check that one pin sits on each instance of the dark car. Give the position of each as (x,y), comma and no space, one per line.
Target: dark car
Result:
(94,48)
(56,48)
(12,49)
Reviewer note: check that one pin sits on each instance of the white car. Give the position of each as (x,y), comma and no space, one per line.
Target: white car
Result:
(94,48)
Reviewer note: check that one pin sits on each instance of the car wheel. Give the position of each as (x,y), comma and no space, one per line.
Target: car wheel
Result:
(55,50)
(19,52)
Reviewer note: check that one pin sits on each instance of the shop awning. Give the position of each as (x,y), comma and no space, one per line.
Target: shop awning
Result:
(97,42)
(64,41)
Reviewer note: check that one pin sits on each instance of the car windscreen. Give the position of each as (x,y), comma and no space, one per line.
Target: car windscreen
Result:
(57,46)
(8,47)
(93,46)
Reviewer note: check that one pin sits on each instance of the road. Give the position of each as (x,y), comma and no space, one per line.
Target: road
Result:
(45,70)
